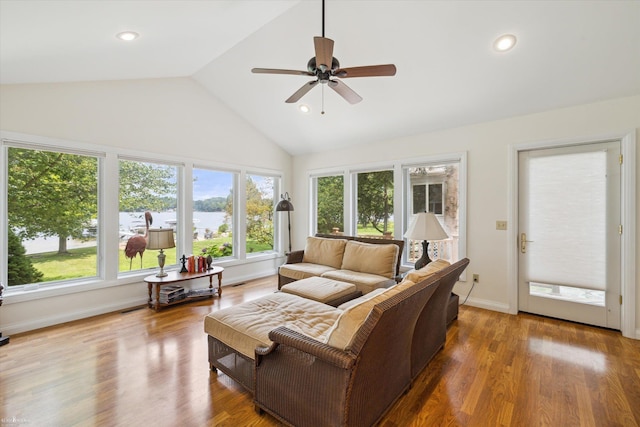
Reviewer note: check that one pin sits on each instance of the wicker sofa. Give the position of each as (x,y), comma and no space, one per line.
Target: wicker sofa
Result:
(367,263)
(327,366)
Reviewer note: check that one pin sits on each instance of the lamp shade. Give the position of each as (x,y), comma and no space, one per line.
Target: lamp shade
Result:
(160,238)
(285,204)
(425,226)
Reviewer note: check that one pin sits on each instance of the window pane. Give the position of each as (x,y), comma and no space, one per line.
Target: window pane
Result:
(145,187)
(330,204)
(375,204)
(53,216)
(442,183)
(568,293)
(419,198)
(260,208)
(213,212)
(435,198)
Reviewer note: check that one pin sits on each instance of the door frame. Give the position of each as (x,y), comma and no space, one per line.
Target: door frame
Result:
(628,213)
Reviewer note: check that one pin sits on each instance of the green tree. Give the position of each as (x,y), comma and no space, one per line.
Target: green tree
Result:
(330,203)
(375,199)
(51,194)
(146,186)
(259,214)
(19,268)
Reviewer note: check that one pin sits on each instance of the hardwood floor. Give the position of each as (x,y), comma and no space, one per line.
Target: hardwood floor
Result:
(142,367)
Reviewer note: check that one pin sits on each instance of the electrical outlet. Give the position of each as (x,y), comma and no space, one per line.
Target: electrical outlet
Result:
(476,278)
(501,225)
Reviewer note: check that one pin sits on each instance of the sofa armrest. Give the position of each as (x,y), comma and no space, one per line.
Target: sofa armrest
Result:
(295,257)
(303,343)
(302,381)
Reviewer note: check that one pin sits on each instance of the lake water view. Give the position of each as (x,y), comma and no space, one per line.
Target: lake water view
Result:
(129,221)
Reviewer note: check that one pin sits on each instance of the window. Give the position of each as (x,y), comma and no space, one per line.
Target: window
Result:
(70,210)
(260,192)
(434,188)
(435,199)
(145,187)
(375,203)
(366,200)
(52,204)
(330,204)
(213,212)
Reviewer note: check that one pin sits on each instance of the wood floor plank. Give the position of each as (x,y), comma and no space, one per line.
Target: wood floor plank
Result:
(140,367)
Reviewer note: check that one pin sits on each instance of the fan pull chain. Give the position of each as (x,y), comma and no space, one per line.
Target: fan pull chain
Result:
(322,112)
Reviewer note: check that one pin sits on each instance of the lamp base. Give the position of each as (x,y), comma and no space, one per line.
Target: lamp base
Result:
(161,259)
(424,260)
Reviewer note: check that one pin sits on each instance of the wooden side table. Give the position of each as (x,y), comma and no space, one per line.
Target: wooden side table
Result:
(174,277)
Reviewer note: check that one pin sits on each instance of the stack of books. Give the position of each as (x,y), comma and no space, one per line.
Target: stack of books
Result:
(172,293)
(196,293)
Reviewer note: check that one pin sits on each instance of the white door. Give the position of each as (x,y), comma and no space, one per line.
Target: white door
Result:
(569,235)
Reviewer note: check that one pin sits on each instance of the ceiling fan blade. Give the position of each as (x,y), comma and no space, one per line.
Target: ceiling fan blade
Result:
(345,91)
(301,92)
(324,52)
(366,71)
(278,71)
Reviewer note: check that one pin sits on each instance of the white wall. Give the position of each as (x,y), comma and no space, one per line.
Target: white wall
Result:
(174,117)
(487,145)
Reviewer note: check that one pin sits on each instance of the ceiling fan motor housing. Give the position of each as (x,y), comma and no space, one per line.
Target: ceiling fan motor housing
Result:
(313,68)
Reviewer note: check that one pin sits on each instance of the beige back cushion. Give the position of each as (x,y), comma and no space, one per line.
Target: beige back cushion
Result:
(324,251)
(371,258)
(426,271)
(350,321)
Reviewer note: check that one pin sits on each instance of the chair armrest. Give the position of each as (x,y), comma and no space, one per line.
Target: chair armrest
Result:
(295,257)
(303,343)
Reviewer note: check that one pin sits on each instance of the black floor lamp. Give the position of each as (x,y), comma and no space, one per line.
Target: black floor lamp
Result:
(285,206)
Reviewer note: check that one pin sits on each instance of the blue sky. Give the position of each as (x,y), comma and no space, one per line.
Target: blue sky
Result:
(209,184)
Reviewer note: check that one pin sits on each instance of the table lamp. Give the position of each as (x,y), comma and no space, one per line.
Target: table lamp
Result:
(161,238)
(425,226)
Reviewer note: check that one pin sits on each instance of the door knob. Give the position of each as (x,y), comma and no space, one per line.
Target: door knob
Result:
(523,243)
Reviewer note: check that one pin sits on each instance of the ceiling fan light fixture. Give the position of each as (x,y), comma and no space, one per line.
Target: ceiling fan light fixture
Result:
(304,108)
(128,35)
(504,43)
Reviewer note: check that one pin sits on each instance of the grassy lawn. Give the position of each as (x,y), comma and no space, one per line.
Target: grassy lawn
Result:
(81,262)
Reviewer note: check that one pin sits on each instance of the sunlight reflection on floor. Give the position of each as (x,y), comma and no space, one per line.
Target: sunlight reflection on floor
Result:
(587,358)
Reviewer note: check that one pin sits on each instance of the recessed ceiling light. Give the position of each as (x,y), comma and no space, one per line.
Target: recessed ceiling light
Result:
(504,42)
(127,35)
(304,108)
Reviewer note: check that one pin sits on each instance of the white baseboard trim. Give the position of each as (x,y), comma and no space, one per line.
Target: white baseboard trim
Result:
(37,322)
(43,322)
(487,304)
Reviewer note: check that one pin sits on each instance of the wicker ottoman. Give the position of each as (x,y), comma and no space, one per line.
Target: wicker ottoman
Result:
(327,291)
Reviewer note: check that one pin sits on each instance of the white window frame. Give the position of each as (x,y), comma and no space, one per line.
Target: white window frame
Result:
(402,210)
(108,208)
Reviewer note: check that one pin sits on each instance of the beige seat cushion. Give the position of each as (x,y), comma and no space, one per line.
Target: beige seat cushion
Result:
(426,271)
(342,334)
(365,282)
(303,270)
(245,326)
(319,289)
(378,259)
(323,251)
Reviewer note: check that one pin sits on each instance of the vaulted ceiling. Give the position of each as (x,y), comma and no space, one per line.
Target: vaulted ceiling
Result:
(567,53)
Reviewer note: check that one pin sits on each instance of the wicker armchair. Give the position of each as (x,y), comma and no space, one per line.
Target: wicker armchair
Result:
(303,382)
